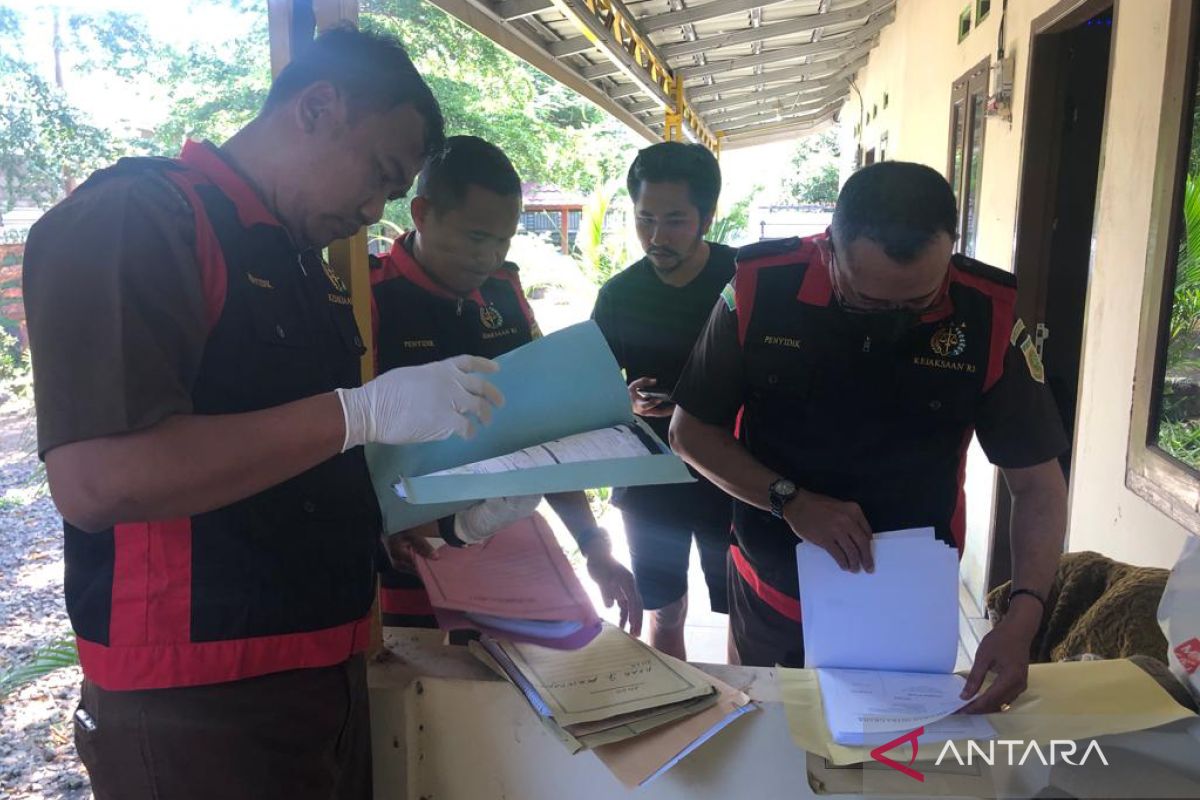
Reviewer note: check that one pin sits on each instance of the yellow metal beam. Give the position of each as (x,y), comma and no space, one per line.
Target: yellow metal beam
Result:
(608,26)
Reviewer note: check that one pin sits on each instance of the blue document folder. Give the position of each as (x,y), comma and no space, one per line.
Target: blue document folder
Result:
(561,385)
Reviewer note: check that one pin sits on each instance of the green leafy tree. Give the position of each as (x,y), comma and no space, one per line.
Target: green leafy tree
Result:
(600,252)
(45,143)
(211,93)
(813,177)
(734,222)
(551,135)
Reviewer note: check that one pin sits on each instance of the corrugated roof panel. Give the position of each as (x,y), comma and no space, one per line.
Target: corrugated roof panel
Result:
(752,69)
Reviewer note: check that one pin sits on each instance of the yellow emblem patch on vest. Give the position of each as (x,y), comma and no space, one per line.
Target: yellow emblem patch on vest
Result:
(1018,329)
(949,340)
(490,317)
(334,278)
(1037,370)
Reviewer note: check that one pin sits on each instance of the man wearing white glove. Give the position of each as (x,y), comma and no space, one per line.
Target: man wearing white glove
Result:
(420,404)
(446,289)
(221,530)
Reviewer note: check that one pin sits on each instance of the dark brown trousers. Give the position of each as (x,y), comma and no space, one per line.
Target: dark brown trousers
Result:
(301,735)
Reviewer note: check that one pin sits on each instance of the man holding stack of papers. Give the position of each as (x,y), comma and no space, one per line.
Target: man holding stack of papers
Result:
(860,363)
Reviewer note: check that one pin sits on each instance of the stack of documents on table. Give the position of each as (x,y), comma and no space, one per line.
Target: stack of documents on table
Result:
(641,711)
(566,424)
(516,585)
(884,643)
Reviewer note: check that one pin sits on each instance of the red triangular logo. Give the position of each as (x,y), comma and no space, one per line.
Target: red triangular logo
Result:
(910,738)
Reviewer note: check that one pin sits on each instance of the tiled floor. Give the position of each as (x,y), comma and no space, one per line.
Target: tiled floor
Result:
(705,632)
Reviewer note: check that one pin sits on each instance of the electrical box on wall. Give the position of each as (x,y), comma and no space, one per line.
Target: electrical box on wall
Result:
(999,103)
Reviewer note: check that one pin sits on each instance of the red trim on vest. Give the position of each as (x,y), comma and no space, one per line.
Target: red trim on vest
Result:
(207,160)
(1004,300)
(745,280)
(944,306)
(387,267)
(511,277)
(152,583)
(412,602)
(161,666)
(214,276)
(817,287)
(404,265)
(784,604)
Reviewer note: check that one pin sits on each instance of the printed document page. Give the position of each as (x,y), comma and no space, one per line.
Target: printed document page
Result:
(860,704)
(619,441)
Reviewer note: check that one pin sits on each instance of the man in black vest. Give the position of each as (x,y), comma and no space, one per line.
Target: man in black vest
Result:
(201,420)
(446,289)
(861,363)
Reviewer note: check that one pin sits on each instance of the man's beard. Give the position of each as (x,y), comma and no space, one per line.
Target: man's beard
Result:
(677,259)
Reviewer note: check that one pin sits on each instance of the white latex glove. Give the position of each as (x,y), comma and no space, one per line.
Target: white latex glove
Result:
(480,522)
(420,404)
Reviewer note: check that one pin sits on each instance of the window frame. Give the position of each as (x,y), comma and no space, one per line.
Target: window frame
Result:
(970,84)
(1166,483)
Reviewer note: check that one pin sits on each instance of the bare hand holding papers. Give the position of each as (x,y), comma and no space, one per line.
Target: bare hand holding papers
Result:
(868,707)
(883,643)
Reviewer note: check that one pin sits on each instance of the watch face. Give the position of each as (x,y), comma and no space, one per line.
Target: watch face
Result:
(784,488)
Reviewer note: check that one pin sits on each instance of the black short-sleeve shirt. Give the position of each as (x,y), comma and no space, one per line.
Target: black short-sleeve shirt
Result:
(651,328)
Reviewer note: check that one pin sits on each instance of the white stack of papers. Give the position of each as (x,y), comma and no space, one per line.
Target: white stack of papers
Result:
(884,643)
(870,707)
(618,441)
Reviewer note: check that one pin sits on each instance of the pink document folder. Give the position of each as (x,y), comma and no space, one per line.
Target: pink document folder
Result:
(520,573)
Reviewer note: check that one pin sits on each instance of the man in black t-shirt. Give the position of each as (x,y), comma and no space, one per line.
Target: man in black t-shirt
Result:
(651,315)
(858,365)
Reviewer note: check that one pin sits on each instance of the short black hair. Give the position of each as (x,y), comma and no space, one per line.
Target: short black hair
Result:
(463,162)
(900,205)
(373,71)
(676,162)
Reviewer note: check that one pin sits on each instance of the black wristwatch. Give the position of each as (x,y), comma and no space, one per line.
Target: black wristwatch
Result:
(780,492)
